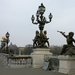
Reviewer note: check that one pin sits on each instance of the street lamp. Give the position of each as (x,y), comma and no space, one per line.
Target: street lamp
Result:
(50,16)
(41,9)
(7,41)
(41,20)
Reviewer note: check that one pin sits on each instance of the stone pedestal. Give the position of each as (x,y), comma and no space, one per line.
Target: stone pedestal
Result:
(67,64)
(38,56)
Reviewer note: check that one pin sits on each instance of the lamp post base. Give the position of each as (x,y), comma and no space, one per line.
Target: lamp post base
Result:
(38,56)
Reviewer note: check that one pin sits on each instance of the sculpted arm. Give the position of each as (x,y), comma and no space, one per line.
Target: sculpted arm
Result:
(63,33)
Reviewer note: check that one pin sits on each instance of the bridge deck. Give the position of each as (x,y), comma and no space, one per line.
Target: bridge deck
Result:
(4,70)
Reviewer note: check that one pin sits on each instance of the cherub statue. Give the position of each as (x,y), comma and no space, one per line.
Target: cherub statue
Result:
(69,40)
(36,40)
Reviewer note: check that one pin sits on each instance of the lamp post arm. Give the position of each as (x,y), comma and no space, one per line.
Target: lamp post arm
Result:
(48,21)
(34,22)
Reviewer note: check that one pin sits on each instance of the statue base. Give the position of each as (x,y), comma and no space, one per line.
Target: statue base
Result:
(38,56)
(67,64)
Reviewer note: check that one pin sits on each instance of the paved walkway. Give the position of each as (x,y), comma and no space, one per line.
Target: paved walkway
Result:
(24,71)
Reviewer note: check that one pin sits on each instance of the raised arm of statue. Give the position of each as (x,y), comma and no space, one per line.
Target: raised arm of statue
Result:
(63,33)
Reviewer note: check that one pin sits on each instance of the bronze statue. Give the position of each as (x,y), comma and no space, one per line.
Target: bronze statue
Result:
(45,39)
(40,41)
(41,20)
(36,40)
(69,46)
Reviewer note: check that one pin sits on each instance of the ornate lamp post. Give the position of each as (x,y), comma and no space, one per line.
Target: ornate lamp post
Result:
(41,20)
(7,41)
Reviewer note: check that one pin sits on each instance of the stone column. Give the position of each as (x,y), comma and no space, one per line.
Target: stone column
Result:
(38,56)
(67,64)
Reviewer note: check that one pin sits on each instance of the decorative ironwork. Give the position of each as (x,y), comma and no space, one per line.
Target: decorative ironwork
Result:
(41,39)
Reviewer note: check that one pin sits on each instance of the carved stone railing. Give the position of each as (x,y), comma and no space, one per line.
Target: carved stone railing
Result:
(20,61)
(17,61)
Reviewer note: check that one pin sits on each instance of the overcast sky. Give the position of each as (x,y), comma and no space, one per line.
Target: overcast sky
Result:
(15,17)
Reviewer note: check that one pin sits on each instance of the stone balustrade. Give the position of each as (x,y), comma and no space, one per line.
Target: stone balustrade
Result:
(17,61)
(20,61)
